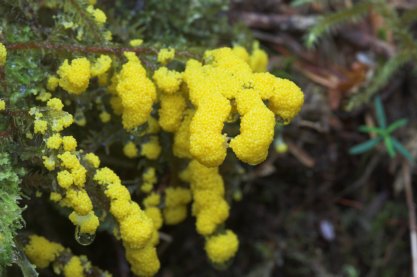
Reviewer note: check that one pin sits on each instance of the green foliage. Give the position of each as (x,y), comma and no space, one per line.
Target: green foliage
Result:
(384,133)
(333,20)
(10,213)
(178,24)
(394,22)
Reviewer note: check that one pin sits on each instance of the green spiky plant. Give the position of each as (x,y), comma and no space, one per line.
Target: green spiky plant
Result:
(384,133)
(398,24)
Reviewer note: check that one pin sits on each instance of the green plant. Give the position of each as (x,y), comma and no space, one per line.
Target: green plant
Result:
(398,24)
(383,134)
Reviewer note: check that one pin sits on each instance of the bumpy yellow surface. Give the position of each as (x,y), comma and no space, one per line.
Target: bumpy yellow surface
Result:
(69,160)
(92,159)
(221,248)
(136,228)
(99,16)
(165,55)
(101,65)
(136,91)
(52,83)
(228,74)
(55,103)
(168,81)
(181,147)
(151,149)
(79,201)
(42,252)
(40,126)
(171,111)
(175,215)
(144,262)
(2,105)
(54,141)
(130,150)
(65,179)
(74,77)
(49,163)
(3,54)
(209,206)
(88,224)
(69,143)
(74,268)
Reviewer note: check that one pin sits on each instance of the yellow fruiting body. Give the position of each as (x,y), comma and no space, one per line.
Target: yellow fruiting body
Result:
(99,16)
(144,262)
(168,81)
(55,197)
(174,215)
(135,42)
(40,126)
(55,103)
(155,214)
(101,65)
(165,55)
(92,159)
(74,268)
(228,85)
(69,143)
(88,224)
(54,141)
(171,112)
(221,248)
(2,105)
(49,163)
(152,199)
(130,150)
(105,117)
(74,77)
(181,146)
(42,252)
(151,149)
(136,91)
(3,54)
(136,228)
(69,161)
(79,201)
(79,174)
(52,83)
(65,179)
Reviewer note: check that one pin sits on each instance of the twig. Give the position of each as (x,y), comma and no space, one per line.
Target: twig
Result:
(77,48)
(116,50)
(412,214)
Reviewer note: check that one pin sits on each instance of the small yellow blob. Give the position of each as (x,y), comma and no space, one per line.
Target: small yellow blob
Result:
(165,55)
(130,150)
(3,54)
(55,104)
(221,248)
(135,42)
(105,117)
(74,268)
(2,105)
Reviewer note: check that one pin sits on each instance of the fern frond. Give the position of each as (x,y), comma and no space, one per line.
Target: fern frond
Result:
(333,20)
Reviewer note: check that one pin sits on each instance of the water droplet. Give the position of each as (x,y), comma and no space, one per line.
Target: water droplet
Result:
(83,238)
